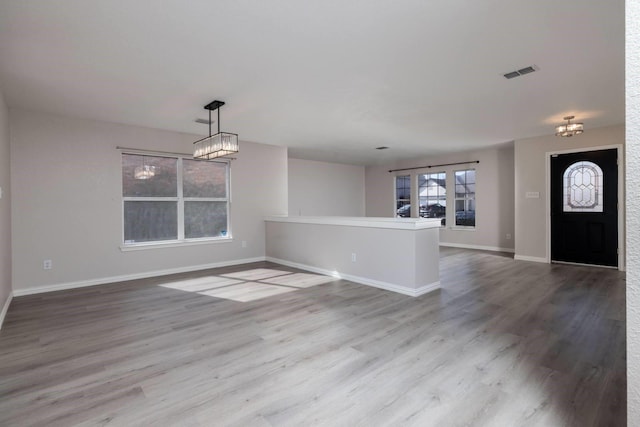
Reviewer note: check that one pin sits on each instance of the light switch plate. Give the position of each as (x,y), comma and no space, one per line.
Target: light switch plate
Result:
(532,195)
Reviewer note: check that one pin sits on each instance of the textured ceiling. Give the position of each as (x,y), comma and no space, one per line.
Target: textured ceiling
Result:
(329,79)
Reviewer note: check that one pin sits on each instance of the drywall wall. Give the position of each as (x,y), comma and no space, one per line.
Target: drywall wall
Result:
(494,190)
(633,207)
(530,176)
(325,189)
(5,210)
(67,207)
(353,251)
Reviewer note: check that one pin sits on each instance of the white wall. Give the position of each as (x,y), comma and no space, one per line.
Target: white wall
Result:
(66,182)
(325,189)
(5,208)
(328,248)
(633,207)
(530,175)
(494,192)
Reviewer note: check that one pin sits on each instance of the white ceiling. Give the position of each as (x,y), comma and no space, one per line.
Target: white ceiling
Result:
(330,79)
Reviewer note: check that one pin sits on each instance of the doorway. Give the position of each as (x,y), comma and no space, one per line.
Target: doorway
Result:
(584,207)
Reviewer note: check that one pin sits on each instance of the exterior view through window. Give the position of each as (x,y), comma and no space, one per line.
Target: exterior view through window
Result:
(173,199)
(403,196)
(465,199)
(432,190)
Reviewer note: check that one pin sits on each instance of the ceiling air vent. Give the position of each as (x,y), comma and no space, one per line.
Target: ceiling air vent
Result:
(381,148)
(203,121)
(526,70)
(520,72)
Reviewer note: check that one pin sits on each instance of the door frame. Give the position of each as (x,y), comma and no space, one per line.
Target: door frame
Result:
(621,197)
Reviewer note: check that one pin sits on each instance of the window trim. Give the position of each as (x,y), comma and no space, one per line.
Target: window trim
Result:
(428,172)
(395,194)
(180,200)
(454,226)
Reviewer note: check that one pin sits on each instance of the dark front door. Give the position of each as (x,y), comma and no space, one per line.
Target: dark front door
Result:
(584,207)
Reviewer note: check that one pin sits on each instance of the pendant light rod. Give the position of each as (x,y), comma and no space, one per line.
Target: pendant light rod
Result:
(214,105)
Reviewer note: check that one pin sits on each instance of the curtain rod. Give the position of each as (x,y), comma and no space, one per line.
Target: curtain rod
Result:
(434,166)
(140,150)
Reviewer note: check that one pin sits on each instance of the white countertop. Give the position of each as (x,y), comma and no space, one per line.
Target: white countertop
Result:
(361,221)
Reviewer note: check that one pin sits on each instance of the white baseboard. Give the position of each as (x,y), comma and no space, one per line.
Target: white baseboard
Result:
(480,247)
(358,279)
(530,258)
(113,279)
(5,308)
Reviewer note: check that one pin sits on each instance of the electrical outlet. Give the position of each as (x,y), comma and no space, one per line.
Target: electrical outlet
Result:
(353,257)
(47,264)
(244,243)
(508,236)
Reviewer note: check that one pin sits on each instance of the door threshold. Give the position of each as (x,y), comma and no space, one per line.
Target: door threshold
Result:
(611,267)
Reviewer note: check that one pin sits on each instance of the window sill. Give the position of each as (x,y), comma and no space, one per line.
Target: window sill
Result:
(173,244)
(462,228)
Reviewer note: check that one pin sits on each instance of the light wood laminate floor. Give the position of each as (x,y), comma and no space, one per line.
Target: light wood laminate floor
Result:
(503,343)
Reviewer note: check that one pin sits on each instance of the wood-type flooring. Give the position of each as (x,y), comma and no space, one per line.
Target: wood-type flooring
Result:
(503,343)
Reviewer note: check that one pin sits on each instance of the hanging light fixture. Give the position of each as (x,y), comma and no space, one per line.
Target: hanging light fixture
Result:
(144,171)
(218,145)
(569,129)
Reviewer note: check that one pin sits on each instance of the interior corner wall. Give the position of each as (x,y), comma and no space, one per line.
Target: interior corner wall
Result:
(67,201)
(494,189)
(325,189)
(530,176)
(633,207)
(5,207)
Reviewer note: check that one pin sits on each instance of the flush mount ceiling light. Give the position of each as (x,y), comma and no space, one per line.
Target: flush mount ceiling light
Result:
(144,171)
(569,129)
(218,145)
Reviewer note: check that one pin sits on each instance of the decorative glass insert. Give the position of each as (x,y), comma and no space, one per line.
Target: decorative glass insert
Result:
(582,189)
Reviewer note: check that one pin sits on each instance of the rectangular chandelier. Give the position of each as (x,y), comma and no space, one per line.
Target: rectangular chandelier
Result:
(218,145)
(214,146)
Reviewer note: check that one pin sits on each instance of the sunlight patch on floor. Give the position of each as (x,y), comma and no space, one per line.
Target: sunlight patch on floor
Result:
(257,274)
(247,291)
(201,283)
(249,285)
(299,280)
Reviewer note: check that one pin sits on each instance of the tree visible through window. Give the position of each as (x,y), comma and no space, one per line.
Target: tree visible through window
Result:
(465,199)
(173,199)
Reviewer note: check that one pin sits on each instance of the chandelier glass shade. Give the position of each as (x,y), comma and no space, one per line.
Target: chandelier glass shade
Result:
(218,145)
(569,129)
